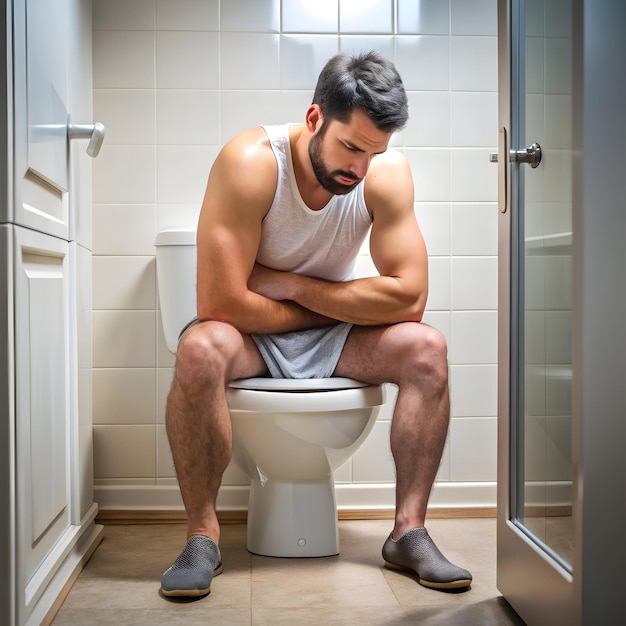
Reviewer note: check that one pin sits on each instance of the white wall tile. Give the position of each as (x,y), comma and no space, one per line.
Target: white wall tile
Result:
(302,58)
(474,337)
(177,216)
(443,473)
(249,61)
(138,232)
(304,16)
(123,60)
(124,396)
(123,14)
(474,63)
(164,357)
(164,461)
(535,119)
(235,475)
(473,119)
(474,229)
(124,338)
(373,462)
(424,62)
(558,337)
(431,173)
(187,60)
(442,321)
(439,284)
(557,175)
(558,391)
(434,222)
(270,107)
(127,115)
(429,121)
(124,282)
(559,275)
(163,383)
(182,173)
(535,20)
(188,15)
(365,266)
(558,121)
(558,65)
(535,66)
(187,117)
(135,451)
(535,337)
(474,283)
(125,175)
(558,18)
(250,15)
(354,44)
(366,16)
(472,177)
(426,17)
(473,449)
(473,390)
(478,17)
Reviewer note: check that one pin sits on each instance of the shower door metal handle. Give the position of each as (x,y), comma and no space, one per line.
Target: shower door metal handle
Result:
(93,132)
(530,155)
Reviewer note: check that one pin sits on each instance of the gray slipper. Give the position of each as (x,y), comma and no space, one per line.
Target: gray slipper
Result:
(193,570)
(415,551)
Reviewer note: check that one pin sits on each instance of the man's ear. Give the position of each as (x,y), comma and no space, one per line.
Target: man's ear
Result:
(314,118)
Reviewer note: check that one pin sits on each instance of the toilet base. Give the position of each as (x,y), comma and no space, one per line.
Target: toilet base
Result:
(293,519)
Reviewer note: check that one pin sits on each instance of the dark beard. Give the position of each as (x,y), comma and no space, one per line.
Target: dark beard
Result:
(323,175)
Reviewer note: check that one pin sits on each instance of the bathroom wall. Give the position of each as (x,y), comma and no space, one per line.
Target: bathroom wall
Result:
(173,81)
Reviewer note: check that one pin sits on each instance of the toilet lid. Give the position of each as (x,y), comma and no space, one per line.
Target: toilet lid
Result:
(297,384)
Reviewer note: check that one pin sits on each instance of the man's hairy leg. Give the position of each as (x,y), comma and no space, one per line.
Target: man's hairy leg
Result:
(197,418)
(413,356)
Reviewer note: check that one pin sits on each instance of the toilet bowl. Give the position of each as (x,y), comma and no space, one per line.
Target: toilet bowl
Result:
(289,435)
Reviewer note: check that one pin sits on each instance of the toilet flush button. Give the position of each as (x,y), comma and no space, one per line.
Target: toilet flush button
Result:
(302,542)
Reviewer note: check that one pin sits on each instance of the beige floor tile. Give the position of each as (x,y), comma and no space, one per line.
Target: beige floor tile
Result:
(153,617)
(120,584)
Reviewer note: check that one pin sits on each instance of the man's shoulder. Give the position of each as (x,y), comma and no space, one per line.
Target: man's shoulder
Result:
(388,174)
(252,144)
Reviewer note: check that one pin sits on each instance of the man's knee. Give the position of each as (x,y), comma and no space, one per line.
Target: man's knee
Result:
(206,351)
(427,352)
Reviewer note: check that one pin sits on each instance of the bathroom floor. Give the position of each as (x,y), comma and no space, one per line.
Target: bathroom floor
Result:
(120,584)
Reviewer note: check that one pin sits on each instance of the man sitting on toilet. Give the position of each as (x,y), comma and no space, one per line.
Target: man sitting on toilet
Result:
(283,218)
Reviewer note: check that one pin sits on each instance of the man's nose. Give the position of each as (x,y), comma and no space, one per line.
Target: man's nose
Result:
(360,165)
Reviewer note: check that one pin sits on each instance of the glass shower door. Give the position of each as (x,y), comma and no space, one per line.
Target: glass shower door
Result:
(544,280)
(535,354)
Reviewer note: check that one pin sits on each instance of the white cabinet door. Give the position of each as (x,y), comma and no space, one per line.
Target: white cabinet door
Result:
(41,115)
(42,370)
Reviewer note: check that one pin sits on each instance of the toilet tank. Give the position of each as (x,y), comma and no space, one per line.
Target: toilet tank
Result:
(176,280)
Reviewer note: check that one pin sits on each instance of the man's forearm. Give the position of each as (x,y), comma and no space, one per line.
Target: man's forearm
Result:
(366,301)
(257,314)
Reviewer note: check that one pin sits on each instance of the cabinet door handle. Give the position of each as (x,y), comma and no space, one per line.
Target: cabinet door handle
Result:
(93,132)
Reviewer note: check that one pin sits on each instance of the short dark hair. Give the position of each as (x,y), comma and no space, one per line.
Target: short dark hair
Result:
(366,80)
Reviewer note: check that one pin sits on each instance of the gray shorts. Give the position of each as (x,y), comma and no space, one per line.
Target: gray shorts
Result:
(312,353)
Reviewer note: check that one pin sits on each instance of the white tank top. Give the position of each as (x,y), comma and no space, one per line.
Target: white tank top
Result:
(294,238)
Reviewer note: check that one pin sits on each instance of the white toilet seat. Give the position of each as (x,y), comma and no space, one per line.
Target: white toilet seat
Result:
(297,384)
(285,395)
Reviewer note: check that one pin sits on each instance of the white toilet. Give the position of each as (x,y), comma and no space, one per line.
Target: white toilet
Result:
(289,435)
